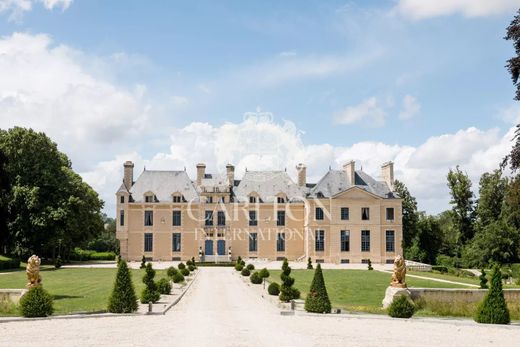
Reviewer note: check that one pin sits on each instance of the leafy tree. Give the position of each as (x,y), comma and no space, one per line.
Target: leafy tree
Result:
(513,66)
(493,309)
(106,240)
(4,194)
(492,192)
(428,241)
(449,237)
(462,201)
(410,217)
(318,300)
(123,298)
(511,209)
(287,292)
(483,279)
(150,292)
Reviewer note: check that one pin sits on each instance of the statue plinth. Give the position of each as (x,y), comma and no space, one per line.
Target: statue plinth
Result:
(393,292)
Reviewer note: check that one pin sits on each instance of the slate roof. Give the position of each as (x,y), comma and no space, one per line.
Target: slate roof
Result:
(163,184)
(268,184)
(336,181)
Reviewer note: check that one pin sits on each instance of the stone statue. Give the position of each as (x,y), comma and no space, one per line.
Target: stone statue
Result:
(33,272)
(398,277)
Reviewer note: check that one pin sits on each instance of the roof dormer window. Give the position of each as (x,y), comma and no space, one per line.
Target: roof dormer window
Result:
(150,197)
(177,198)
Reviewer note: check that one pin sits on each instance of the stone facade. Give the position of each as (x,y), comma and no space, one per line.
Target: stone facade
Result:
(347,217)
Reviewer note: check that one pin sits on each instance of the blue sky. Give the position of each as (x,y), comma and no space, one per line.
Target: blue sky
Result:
(422,83)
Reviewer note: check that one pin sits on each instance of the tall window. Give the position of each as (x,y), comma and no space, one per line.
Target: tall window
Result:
(148,242)
(390,241)
(176,242)
(365,240)
(320,240)
(252,199)
(280,218)
(365,213)
(389,213)
(176,218)
(253,242)
(122,199)
(280,242)
(221,218)
(252,218)
(319,213)
(122,217)
(344,213)
(345,240)
(148,218)
(208,218)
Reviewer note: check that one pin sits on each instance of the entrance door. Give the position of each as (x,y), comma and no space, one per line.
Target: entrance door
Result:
(221,247)
(208,247)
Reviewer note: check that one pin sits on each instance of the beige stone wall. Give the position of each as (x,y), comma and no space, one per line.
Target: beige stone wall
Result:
(299,228)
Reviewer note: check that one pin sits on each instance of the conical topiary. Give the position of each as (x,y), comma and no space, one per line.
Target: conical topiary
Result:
(143,262)
(150,292)
(318,300)
(483,280)
(287,292)
(123,298)
(493,309)
(309,264)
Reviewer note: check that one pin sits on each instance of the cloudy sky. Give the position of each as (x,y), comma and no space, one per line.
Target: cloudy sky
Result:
(263,85)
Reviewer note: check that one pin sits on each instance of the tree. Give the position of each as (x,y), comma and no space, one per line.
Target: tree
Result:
(318,300)
(462,201)
(123,298)
(287,292)
(428,241)
(513,66)
(150,292)
(511,209)
(492,191)
(410,217)
(493,309)
(4,191)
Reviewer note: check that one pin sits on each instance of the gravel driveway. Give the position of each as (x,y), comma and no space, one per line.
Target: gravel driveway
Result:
(221,310)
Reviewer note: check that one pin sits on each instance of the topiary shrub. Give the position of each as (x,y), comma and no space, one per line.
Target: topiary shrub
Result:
(193,262)
(177,278)
(57,262)
(242,262)
(245,272)
(239,267)
(318,300)
(256,278)
(191,267)
(493,309)
(273,289)
(401,307)
(369,262)
(483,280)
(36,303)
(181,266)
(164,286)
(143,263)
(264,273)
(188,262)
(185,272)
(123,298)
(309,264)
(150,292)
(250,267)
(287,292)
(171,271)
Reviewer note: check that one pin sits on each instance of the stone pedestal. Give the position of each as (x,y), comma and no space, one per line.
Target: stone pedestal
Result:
(392,292)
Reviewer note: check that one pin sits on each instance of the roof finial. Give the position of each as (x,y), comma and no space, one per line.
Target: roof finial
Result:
(144,168)
(185,168)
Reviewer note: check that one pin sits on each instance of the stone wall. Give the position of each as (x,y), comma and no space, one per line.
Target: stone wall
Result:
(459,295)
(13,295)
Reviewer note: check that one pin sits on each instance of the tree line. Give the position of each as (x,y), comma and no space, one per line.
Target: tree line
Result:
(45,207)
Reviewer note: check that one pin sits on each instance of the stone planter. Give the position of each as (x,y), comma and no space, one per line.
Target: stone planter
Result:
(13,295)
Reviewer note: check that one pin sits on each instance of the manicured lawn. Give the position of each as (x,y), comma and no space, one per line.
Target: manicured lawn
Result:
(356,290)
(448,277)
(76,290)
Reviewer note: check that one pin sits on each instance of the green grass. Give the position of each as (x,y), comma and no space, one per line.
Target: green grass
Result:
(355,290)
(448,277)
(76,290)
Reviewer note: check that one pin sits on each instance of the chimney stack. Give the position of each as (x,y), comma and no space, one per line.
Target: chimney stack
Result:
(350,170)
(201,171)
(302,174)
(128,178)
(230,171)
(387,172)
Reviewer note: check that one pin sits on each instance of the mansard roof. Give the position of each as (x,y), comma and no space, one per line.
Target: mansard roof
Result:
(163,184)
(337,181)
(268,185)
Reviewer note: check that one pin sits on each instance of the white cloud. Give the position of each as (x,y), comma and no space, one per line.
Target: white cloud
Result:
(44,87)
(410,108)
(369,113)
(179,100)
(420,9)
(16,8)
(259,142)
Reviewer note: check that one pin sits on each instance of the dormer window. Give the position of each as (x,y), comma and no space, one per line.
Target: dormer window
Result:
(252,199)
(149,198)
(281,200)
(122,199)
(178,198)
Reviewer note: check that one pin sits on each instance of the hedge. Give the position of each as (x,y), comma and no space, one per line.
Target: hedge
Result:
(9,263)
(85,254)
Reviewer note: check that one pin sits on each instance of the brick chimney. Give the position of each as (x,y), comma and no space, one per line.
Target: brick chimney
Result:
(230,171)
(387,173)
(128,178)
(302,174)
(350,170)
(201,170)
